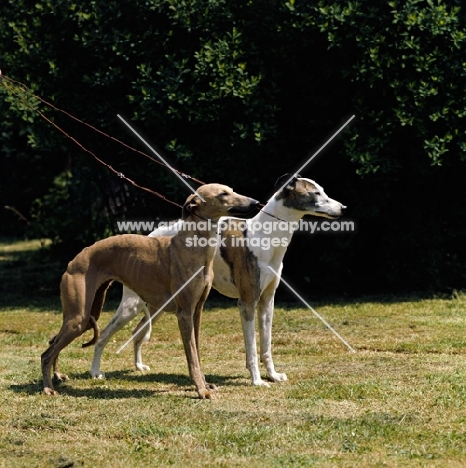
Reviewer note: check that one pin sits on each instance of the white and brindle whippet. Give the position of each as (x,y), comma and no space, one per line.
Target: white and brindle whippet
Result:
(241,271)
(155,268)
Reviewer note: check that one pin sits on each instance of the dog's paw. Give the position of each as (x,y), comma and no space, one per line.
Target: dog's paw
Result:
(205,394)
(50,391)
(60,377)
(278,377)
(98,375)
(261,383)
(142,367)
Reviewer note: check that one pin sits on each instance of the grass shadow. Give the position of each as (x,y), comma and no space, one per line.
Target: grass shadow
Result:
(179,380)
(32,388)
(66,389)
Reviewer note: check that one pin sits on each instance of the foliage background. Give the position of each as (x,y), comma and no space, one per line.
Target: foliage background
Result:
(240,93)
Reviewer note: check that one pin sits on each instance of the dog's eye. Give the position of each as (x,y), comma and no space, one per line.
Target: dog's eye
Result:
(317,194)
(223,194)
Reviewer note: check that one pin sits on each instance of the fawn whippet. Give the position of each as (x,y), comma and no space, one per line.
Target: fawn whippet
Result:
(155,268)
(241,271)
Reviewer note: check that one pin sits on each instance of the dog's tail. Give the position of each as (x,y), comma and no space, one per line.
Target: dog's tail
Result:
(96,308)
(95,326)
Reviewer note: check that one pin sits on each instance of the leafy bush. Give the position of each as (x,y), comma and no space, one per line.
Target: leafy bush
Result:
(240,93)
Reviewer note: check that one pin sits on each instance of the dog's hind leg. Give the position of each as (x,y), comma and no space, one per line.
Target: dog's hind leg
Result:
(130,306)
(67,334)
(77,304)
(139,338)
(96,309)
(56,370)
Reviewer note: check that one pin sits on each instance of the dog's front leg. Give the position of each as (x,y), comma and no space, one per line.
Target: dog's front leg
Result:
(265,314)
(197,328)
(247,311)
(186,325)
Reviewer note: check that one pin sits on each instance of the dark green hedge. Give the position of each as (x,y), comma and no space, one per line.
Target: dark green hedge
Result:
(241,92)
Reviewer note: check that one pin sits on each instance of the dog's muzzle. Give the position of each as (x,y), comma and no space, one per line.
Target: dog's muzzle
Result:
(254,204)
(343,208)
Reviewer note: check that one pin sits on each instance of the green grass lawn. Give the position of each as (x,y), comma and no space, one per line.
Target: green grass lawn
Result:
(398,401)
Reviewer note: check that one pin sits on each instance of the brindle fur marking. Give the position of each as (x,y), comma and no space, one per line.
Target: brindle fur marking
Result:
(244,268)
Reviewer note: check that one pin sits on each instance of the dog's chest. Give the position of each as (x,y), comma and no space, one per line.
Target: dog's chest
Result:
(235,264)
(223,280)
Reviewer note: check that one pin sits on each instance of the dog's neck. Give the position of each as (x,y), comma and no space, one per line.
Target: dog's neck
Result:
(198,224)
(273,222)
(200,218)
(274,210)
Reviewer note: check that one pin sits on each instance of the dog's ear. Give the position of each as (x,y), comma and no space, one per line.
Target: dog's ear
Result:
(189,207)
(290,185)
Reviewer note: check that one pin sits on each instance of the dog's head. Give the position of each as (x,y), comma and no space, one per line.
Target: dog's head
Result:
(212,201)
(307,196)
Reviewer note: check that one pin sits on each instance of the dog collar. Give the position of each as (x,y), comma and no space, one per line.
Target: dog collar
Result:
(200,217)
(273,216)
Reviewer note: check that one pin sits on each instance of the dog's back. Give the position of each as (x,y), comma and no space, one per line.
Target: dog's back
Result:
(134,260)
